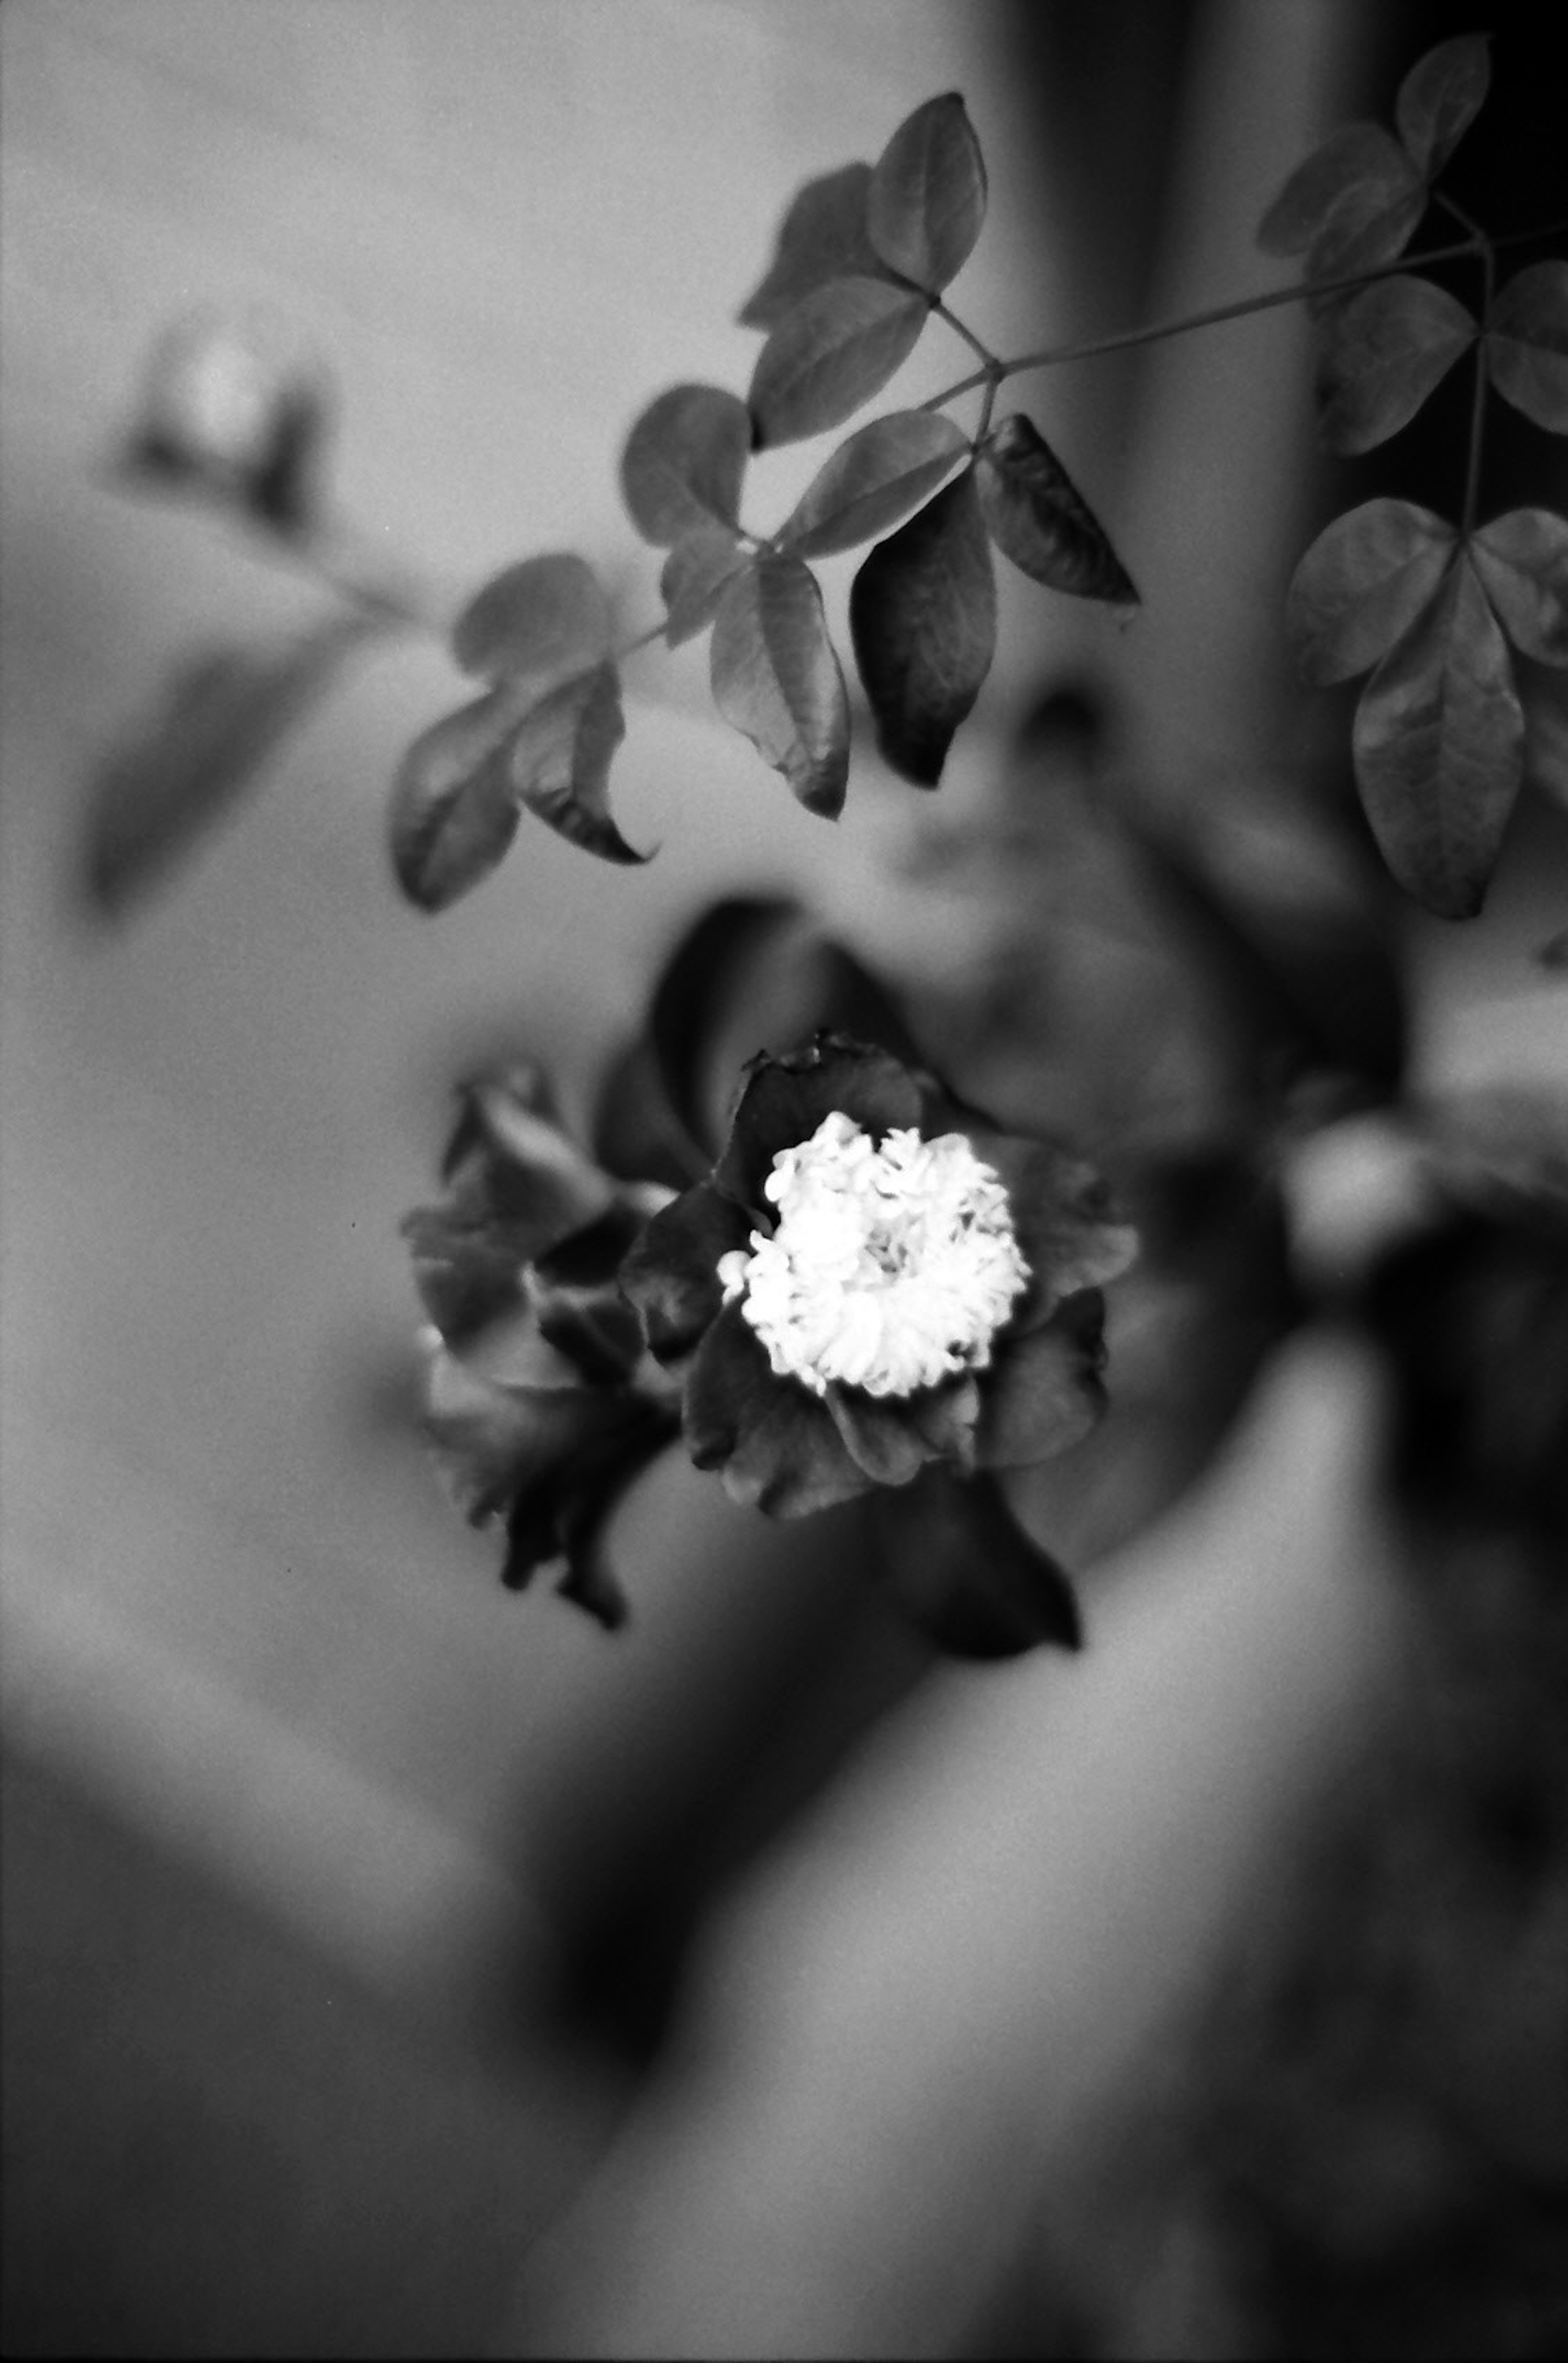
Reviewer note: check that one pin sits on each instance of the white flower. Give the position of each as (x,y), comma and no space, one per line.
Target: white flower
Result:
(891,1267)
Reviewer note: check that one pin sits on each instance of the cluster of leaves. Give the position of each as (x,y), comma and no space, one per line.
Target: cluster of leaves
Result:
(863,255)
(1436,611)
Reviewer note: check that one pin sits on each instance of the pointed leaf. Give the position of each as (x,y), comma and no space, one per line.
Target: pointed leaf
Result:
(926,199)
(536,621)
(1441,98)
(1363,582)
(1036,518)
(684,460)
(560,762)
(1438,745)
(1380,354)
(876,477)
(838,346)
(224,714)
(923,616)
(454,808)
(823,236)
(1527,344)
(1359,187)
(1522,559)
(692,578)
(964,1572)
(776,677)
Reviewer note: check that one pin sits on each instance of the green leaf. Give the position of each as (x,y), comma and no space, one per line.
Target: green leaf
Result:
(823,236)
(926,199)
(836,348)
(1036,516)
(692,578)
(1522,559)
(1439,746)
(1350,206)
(684,460)
(1441,98)
(536,621)
(776,677)
(1527,344)
(876,477)
(923,618)
(1363,582)
(223,714)
(965,1573)
(1380,354)
(1546,736)
(560,762)
(454,808)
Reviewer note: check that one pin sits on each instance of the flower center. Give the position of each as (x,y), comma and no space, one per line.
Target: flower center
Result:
(891,1267)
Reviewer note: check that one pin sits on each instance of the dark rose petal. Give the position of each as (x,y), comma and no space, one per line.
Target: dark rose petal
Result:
(1062,1220)
(494,1440)
(1044,1392)
(774,1439)
(574,1293)
(672,1273)
(880,1434)
(784,1101)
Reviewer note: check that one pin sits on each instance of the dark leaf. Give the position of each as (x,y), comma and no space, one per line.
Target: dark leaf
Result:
(923,618)
(1554,954)
(560,762)
(876,477)
(1036,516)
(685,461)
(223,715)
(536,623)
(771,1438)
(1546,736)
(1441,98)
(1362,584)
(836,348)
(963,1570)
(1527,344)
(1380,353)
(926,199)
(776,677)
(1522,559)
(692,578)
(823,236)
(1439,746)
(1352,203)
(454,807)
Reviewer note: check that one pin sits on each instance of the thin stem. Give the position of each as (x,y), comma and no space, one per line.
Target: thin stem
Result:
(335,556)
(986,356)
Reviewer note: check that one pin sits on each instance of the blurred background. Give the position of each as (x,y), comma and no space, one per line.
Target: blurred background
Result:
(344,1891)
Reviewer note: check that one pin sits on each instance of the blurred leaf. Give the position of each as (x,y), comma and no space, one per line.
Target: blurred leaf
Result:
(560,762)
(454,808)
(923,618)
(876,477)
(1554,954)
(926,199)
(1439,746)
(1362,583)
(823,236)
(776,677)
(539,622)
(223,714)
(1527,344)
(1546,736)
(1522,559)
(685,461)
(1036,516)
(692,577)
(1380,354)
(1351,204)
(836,348)
(964,1572)
(1441,98)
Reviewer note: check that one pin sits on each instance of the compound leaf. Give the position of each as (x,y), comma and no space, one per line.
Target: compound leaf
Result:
(823,236)
(1380,354)
(684,462)
(1439,746)
(560,761)
(1441,98)
(1522,559)
(1036,518)
(876,477)
(538,621)
(1361,584)
(692,575)
(454,810)
(1527,344)
(776,677)
(923,618)
(838,346)
(926,199)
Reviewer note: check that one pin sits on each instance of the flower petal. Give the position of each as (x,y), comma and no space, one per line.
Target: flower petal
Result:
(493,1441)
(1045,1391)
(672,1273)
(894,1439)
(964,1572)
(1063,1221)
(784,1100)
(774,1440)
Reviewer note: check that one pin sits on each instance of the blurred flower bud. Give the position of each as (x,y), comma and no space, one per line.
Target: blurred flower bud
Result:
(235,409)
